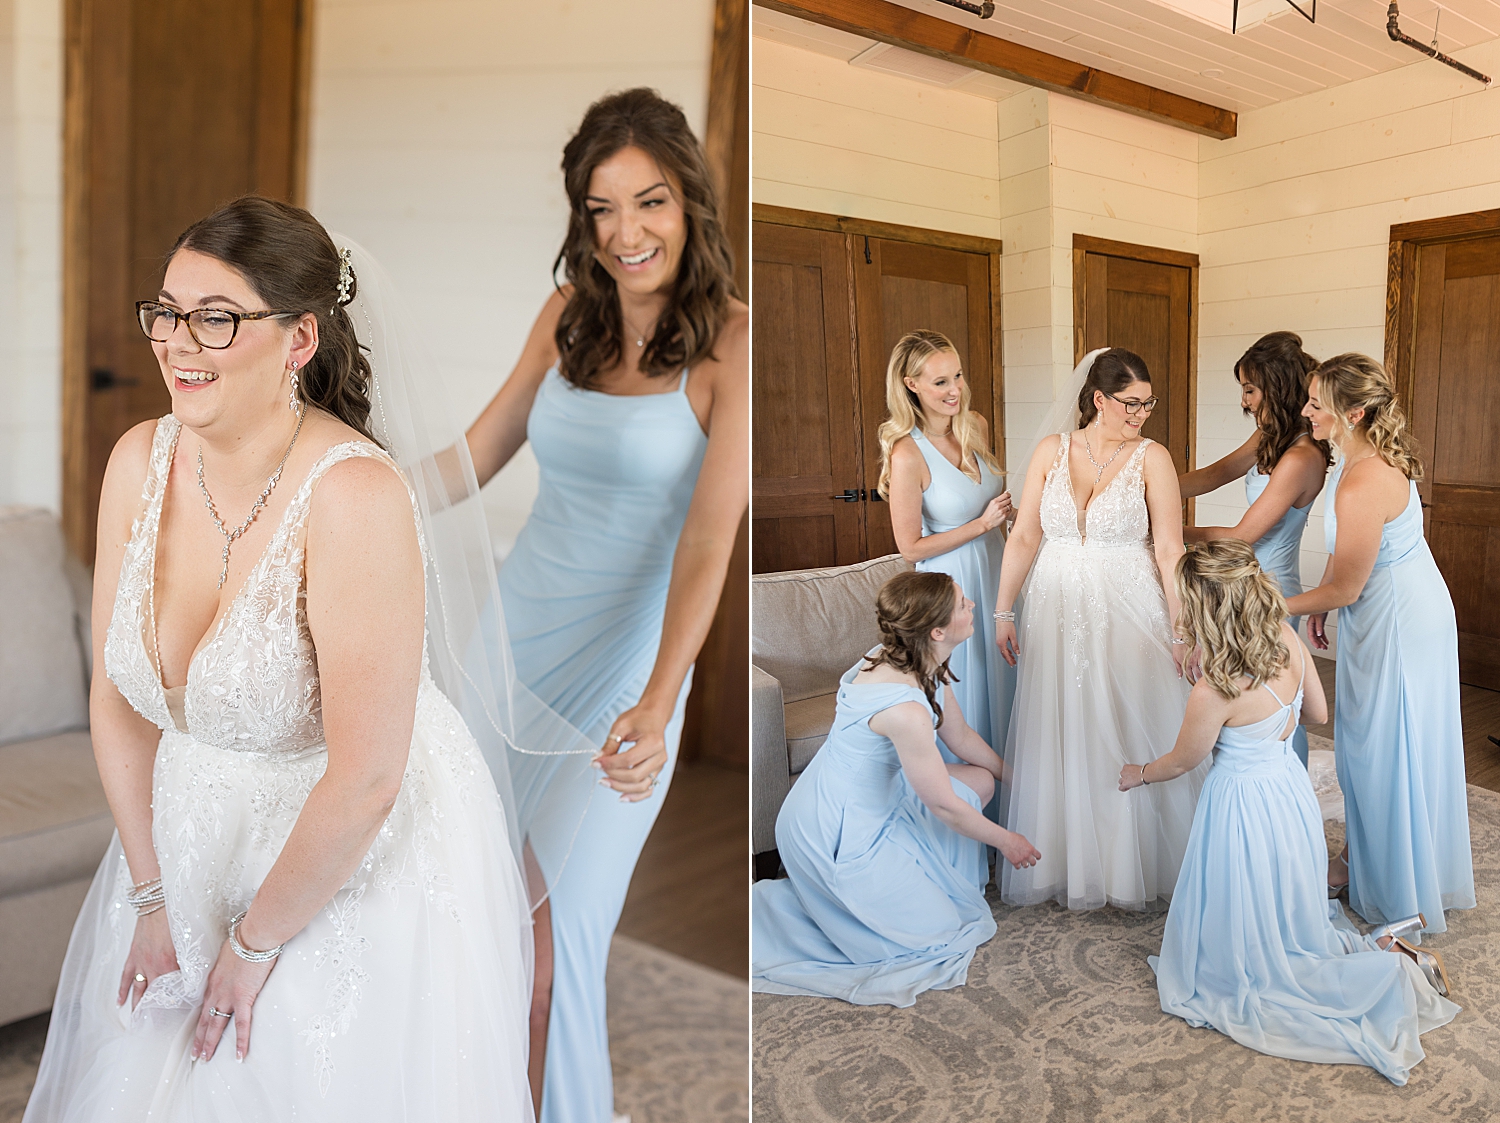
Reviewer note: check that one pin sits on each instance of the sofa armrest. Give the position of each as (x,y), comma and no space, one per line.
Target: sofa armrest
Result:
(770,772)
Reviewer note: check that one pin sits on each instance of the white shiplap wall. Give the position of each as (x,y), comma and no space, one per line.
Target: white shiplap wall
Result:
(1295,216)
(436,136)
(835,138)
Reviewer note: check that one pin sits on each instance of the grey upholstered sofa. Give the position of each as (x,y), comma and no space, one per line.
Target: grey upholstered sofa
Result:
(808,627)
(54,822)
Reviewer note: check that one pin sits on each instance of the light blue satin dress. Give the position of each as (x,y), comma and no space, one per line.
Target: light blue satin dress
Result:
(1398,736)
(986,684)
(1279,552)
(1254,948)
(882,900)
(584,591)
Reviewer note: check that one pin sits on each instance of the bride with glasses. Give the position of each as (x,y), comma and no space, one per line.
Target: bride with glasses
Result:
(1099,680)
(313,907)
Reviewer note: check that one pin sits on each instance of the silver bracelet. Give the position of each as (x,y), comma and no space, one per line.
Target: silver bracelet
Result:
(147,897)
(1007,615)
(1176,642)
(1145,783)
(245,953)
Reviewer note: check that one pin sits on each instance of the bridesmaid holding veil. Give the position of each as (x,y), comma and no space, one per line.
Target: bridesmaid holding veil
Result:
(633,389)
(1283,466)
(1100,681)
(1398,735)
(948,504)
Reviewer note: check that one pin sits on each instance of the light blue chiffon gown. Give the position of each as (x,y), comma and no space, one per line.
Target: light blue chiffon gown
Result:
(1253,947)
(585,591)
(1398,736)
(1279,552)
(986,683)
(882,900)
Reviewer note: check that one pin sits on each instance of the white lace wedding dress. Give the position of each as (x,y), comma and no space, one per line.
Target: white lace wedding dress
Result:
(1096,688)
(405,998)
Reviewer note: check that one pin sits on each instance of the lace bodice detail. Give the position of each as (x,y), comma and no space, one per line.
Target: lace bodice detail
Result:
(253,686)
(1116,517)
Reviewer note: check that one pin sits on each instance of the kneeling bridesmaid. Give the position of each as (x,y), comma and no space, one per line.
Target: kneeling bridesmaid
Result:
(1252,946)
(884,843)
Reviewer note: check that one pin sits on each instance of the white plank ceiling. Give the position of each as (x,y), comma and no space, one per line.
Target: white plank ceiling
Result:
(1153,41)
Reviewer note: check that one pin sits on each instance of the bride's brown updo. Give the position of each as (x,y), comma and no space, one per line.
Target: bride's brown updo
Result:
(1112,371)
(287,257)
(909,606)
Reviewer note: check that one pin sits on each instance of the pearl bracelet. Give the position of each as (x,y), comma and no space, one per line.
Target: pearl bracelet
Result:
(247,954)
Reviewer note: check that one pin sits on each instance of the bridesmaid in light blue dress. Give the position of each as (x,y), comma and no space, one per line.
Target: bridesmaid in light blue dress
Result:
(633,390)
(948,504)
(1398,734)
(884,842)
(1252,947)
(1283,466)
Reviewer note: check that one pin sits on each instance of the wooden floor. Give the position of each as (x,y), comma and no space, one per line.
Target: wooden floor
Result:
(1481,718)
(691,893)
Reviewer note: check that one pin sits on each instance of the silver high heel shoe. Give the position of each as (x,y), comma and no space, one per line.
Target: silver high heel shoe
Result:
(1430,963)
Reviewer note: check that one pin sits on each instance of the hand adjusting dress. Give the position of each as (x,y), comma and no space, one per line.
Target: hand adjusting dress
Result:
(985,682)
(1397,731)
(1279,552)
(585,593)
(406,995)
(1096,689)
(882,900)
(1254,948)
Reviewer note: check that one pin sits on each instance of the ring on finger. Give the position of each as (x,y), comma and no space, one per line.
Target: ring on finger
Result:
(139,977)
(215,1012)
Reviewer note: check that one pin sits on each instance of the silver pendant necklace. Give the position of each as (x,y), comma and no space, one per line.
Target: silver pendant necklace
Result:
(1099,468)
(208,500)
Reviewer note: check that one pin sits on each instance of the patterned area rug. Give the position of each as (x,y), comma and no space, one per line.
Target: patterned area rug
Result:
(1060,1022)
(679,1034)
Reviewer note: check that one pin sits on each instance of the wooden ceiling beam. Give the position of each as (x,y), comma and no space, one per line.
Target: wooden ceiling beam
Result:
(916,31)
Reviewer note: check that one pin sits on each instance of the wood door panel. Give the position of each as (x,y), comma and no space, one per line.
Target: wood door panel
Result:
(1145,306)
(805,421)
(1454,396)
(174,108)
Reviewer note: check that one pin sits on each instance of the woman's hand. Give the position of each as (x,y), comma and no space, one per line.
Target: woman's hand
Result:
(632,772)
(1017,851)
(151,956)
(233,986)
(1005,640)
(1315,625)
(1180,652)
(1131,776)
(997,512)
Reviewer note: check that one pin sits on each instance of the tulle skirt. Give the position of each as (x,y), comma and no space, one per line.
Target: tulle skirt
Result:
(1096,689)
(405,998)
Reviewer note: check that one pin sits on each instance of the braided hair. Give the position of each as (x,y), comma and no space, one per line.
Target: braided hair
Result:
(908,607)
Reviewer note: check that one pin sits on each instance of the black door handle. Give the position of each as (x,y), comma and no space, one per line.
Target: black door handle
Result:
(849,495)
(101,379)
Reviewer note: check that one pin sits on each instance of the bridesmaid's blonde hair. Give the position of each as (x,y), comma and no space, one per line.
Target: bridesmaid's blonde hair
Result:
(1354,381)
(1233,612)
(908,360)
(907,608)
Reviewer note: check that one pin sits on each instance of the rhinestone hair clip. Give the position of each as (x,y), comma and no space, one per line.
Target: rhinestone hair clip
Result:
(346,279)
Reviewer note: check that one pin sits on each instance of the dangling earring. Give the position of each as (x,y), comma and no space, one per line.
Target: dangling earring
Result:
(291,402)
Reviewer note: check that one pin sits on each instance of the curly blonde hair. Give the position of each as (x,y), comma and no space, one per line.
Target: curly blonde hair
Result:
(1354,381)
(907,608)
(908,359)
(1232,611)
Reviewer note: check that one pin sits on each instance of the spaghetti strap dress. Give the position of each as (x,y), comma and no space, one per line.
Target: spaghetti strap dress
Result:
(1253,947)
(585,591)
(1279,552)
(985,682)
(1398,737)
(882,900)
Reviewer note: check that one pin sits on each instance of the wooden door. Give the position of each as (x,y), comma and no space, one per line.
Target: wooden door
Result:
(900,286)
(1455,403)
(1145,300)
(805,438)
(174,107)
